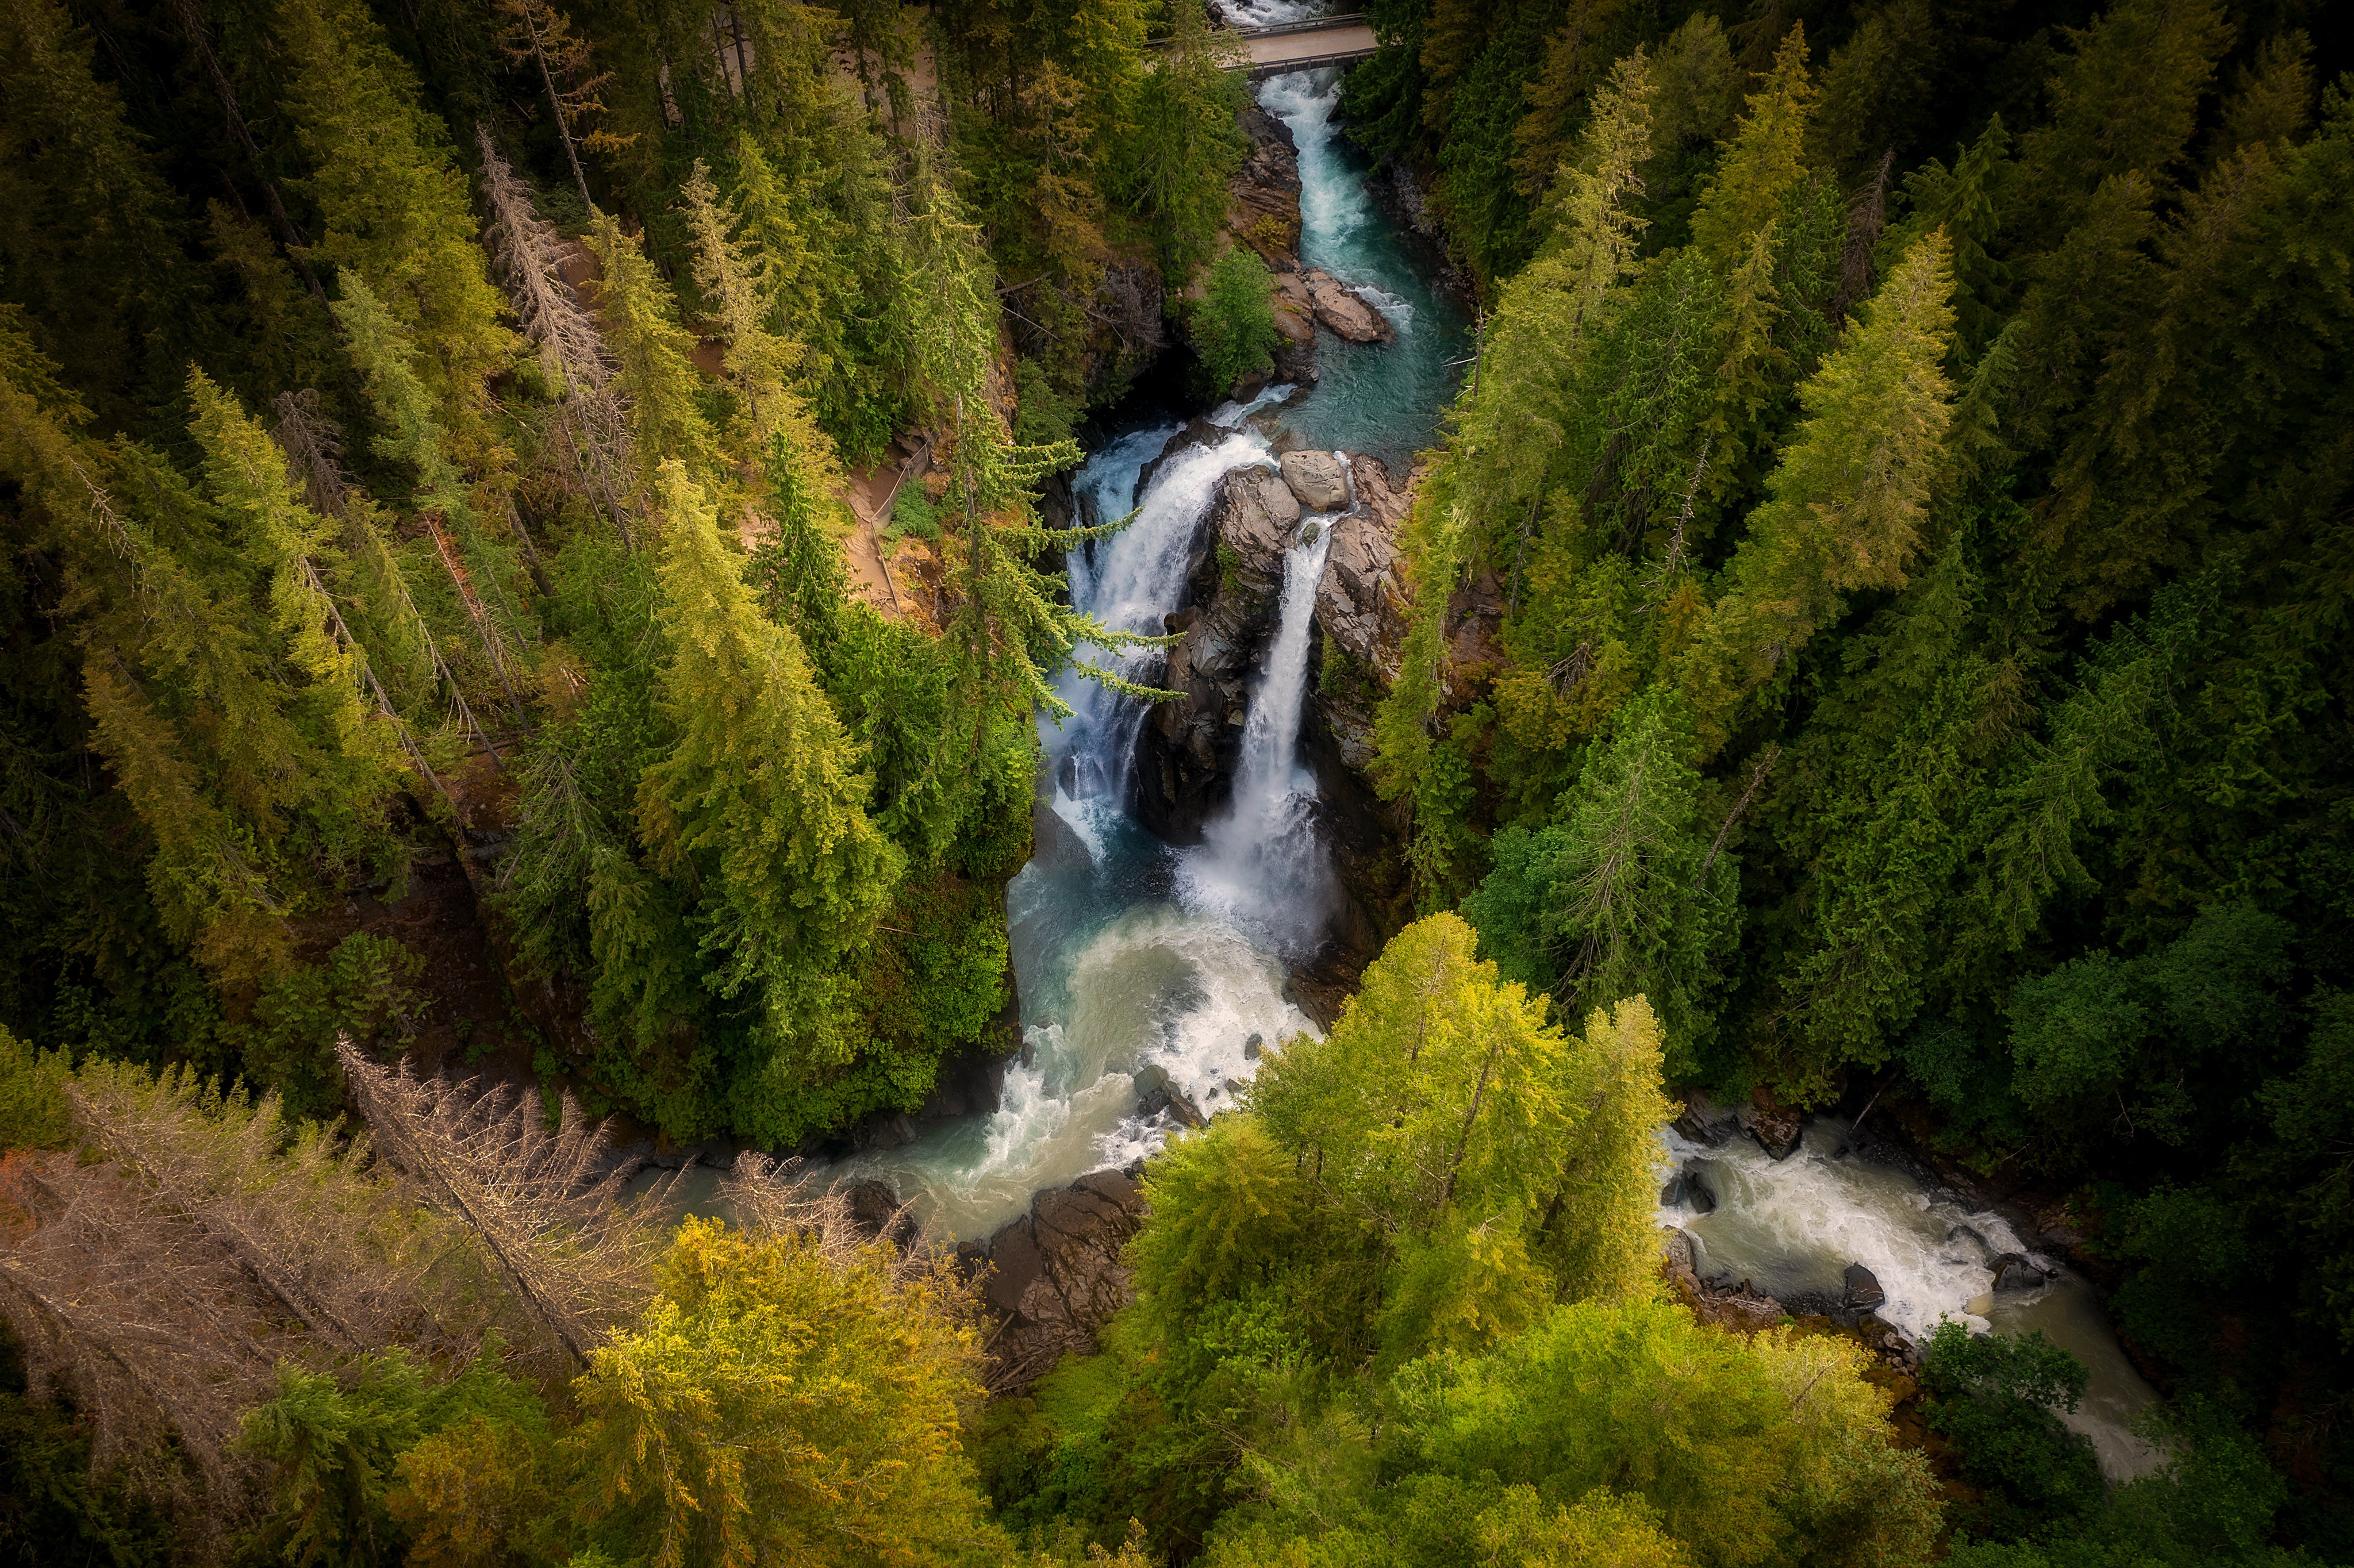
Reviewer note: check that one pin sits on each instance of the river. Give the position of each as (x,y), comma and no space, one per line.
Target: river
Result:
(1137,957)
(1148,956)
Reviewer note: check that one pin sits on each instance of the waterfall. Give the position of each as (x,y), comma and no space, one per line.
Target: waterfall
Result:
(1263,864)
(1133,958)
(1130,582)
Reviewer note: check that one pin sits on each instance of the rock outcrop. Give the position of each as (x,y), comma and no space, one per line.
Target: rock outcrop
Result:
(1774,1125)
(1263,196)
(1054,1278)
(1190,748)
(2022,1271)
(1361,609)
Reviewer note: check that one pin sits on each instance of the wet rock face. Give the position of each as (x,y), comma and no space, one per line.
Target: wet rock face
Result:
(1360,613)
(1860,1289)
(1055,1276)
(1189,748)
(1776,1127)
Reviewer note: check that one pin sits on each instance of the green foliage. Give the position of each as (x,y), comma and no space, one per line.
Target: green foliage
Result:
(1625,893)
(774,1402)
(763,798)
(1995,1397)
(364,989)
(333,1443)
(1233,328)
(396,215)
(33,1110)
(1042,416)
(49,1500)
(913,513)
(1181,145)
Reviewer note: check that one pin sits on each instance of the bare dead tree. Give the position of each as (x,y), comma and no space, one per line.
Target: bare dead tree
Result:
(316,1231)
(1865,215)
(573,356)
(771,1197)
(129,1307)
(314,449)
(548,1206)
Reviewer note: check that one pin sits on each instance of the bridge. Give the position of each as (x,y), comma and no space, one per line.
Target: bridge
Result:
(1304,45)
(1283,47)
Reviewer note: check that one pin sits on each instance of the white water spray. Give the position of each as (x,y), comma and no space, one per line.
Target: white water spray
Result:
(1262,864)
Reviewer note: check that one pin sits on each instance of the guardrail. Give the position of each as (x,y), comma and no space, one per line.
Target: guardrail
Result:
(1277,29)
(1309,24)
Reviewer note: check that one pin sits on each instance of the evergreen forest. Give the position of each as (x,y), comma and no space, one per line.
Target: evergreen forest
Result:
(539,551)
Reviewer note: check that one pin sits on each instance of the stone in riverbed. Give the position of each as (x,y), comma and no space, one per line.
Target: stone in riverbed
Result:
(1251,1048)
(1317,479)
(2016,1271)
(1345,310)
(1776,1127)
(1860,1289)
(1154,1083)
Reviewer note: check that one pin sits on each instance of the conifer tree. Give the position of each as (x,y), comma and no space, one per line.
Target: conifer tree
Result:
(1765,157)
(248,475)
(394,205)
(538,32)
(2127,102)
(1848,497)
(204,881)
(656,382)
(760,362)
(1434,1087)
(1961,201)
(477,568)
(1623,895)
(774,1404)
(87,222)
(1184,146)
(1572,64)
(1600,1225)
(800,567)
(761,798)
(1513,430)
(1008,631)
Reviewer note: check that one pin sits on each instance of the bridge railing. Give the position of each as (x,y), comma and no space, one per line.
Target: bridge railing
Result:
(1277,29)
(1311,24)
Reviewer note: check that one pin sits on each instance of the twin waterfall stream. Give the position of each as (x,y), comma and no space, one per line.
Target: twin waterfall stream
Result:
(1137,958)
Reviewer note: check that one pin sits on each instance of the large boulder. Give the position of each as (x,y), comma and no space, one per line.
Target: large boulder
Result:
(2022,1271)
(1774,1125)
(1345,310)
(1704,1121)
(1860,1289)
(1158,1089)
(1317,479)
(1055,1276)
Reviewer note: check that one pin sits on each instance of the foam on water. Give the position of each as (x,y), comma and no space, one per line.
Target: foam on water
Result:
(1792,1226)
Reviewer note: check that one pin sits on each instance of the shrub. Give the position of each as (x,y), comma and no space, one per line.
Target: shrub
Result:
(1233,328)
